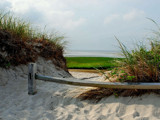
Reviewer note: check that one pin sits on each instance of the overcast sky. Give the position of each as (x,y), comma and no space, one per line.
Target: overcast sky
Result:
(90,24)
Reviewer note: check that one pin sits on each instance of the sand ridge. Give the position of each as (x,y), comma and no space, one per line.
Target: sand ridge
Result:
(58,102)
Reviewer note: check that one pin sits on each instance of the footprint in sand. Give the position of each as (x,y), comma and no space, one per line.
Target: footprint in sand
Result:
(120,110)
(136,114)
(142,118)
(156,113)
(69,117)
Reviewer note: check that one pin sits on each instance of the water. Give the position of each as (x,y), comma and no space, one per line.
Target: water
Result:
(92,53)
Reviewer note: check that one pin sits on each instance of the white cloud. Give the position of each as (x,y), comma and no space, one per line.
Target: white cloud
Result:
(90,2)
(111,18)
(134,14)
(70,24)
(5,5)
(54,13)
(121,18)
(64,19)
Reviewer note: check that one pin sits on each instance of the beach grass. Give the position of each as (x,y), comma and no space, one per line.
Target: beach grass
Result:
(23,42)
(142,63)
(24,30)
(92,62)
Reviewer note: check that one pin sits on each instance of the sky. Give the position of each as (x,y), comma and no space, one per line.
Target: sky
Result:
(91,24)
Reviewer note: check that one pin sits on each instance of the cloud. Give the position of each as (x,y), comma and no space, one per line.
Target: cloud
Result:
(84,2)
(129,16)
(70,24)
(64,19)
(111,18)
(134,14)
(86,20)
(5,5)
(54,13)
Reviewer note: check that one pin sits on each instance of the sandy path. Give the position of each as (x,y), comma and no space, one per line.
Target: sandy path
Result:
(57,102)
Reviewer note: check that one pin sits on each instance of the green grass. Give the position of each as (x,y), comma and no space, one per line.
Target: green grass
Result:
(91,62)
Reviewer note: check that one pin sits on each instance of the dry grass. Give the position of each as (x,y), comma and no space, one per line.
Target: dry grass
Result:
(97,94)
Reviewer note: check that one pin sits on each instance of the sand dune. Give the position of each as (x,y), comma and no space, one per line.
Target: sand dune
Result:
(58,102)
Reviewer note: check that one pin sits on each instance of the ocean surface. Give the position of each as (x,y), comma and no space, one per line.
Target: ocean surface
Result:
(92,53)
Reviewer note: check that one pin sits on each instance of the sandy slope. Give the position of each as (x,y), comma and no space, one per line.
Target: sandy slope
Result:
(58,102)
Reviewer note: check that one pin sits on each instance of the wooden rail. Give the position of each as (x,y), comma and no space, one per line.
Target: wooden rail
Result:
(32,77)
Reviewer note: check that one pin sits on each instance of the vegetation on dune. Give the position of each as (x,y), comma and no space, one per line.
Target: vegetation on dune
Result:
(91,62)
(20,43)
(140,65)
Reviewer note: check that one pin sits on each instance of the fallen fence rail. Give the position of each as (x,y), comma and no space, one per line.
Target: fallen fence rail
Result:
(32,77)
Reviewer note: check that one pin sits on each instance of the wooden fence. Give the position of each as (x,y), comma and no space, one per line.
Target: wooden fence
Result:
(33,76)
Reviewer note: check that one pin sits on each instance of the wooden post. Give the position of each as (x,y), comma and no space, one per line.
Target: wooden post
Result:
(31,79)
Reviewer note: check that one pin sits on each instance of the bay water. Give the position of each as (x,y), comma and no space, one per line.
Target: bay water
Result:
(92,53)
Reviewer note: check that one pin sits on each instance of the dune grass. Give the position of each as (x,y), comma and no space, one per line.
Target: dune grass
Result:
(140,65)
(21,43)
(91,62)
(20,28)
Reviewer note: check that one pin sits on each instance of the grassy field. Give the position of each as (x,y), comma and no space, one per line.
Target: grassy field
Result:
(91,62)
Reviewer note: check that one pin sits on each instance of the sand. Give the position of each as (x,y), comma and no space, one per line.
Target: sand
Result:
(58,102)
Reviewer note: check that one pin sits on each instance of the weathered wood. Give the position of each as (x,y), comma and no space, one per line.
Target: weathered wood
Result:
(31,79)
(118,85)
